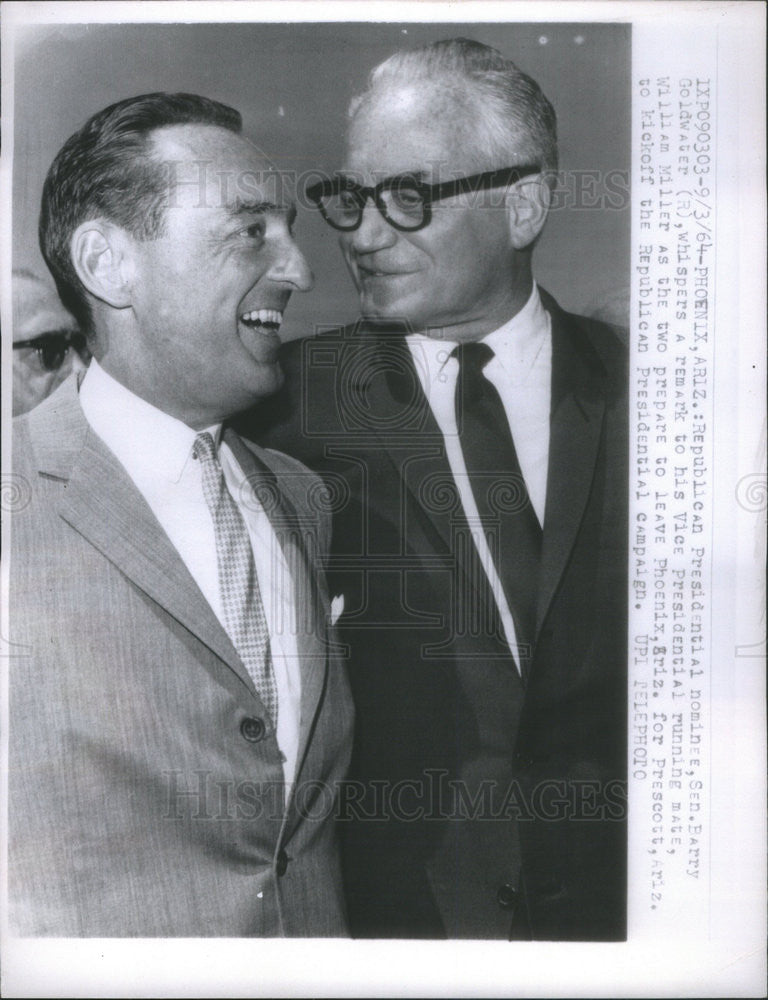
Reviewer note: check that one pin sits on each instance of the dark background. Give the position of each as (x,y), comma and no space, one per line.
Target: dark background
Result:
(292,84)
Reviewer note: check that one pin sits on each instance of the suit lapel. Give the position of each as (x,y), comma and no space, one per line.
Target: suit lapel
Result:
(403,422)
(577,410)
(102,504)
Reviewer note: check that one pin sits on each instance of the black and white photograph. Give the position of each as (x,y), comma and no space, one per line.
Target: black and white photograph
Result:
(382,501)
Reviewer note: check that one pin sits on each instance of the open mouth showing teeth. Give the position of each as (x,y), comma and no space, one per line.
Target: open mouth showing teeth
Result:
(270,318)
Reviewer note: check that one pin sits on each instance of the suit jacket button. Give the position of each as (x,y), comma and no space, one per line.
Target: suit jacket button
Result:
(282,863)
(253,730)
(506,896)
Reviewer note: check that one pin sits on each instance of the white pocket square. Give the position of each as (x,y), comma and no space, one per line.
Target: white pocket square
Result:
(337,606)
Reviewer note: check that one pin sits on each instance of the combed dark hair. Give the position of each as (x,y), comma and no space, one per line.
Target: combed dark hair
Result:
(107,170)
(515,123)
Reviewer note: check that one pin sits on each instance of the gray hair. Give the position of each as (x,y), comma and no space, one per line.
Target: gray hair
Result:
(515,121)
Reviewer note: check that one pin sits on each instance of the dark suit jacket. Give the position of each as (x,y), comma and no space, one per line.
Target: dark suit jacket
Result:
(476,808)
(145,786)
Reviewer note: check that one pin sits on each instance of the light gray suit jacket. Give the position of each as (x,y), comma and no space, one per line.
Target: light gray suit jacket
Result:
(145,781)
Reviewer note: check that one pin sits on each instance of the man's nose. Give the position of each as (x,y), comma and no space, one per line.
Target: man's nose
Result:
(374,232)
(290,266)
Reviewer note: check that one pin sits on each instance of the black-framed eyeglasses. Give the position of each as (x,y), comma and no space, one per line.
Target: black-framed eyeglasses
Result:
(51,348)
(404,201)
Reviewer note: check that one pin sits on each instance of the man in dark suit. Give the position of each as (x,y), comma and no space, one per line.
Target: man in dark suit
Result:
(179,721)
(472,437)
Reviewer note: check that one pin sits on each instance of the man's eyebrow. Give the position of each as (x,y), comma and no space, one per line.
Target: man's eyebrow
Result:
(244,206)
(378,176)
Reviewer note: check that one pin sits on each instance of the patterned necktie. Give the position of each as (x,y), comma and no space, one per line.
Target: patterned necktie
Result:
(244,616)
(509,521)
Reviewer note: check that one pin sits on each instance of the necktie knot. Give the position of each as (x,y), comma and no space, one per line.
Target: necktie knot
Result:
(214,486)
(472,358)
(204,448)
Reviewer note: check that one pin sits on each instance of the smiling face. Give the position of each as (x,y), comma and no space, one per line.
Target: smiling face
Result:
(460,273)
(208,295)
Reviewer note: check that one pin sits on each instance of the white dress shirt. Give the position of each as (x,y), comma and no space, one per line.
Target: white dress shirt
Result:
(521,371)
(156,451)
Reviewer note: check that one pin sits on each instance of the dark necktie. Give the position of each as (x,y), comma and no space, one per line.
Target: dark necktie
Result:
(244,616)
(509,520)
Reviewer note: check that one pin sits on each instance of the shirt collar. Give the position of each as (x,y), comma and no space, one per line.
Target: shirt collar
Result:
(516,344)
(149,443)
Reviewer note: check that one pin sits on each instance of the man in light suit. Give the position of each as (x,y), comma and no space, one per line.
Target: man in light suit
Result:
(474,435)
(179,720)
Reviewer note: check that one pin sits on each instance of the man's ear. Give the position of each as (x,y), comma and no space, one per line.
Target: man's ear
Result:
(528,204)
(102,256)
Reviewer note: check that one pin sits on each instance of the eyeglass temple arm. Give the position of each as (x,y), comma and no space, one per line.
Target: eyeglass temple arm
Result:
(478,182)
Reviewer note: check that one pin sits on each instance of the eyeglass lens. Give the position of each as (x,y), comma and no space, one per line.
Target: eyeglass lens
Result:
(51,348)
(52,353)
(402,204)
